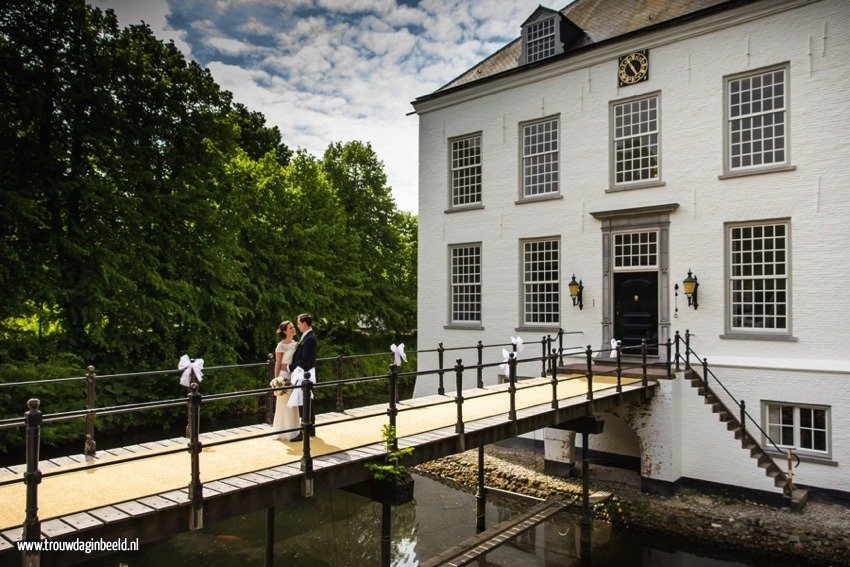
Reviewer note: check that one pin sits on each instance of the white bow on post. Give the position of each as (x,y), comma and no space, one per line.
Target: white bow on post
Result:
(518,342)
(190,367)
(506,357)
(398,353)
(614,348)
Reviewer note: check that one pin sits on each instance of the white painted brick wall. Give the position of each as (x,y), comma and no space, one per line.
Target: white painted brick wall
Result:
(815,40)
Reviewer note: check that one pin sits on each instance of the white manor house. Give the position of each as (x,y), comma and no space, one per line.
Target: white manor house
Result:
(636,146)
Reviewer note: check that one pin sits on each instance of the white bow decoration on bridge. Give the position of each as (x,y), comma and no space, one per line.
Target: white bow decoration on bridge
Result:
(506,357)
(190,367)
(614,348)
(518,342)
(398,353)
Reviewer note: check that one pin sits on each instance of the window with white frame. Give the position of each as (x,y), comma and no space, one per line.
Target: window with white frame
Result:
(541,281)
(540,158)
(540,40)
(636,136)
(758,277)
(757,114)
(465,283)
(801,427)
(635,250)
(466,170)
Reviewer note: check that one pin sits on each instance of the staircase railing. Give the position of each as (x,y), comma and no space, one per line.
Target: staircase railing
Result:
(704,379)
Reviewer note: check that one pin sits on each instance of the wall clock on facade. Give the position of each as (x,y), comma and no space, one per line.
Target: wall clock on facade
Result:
(633,68)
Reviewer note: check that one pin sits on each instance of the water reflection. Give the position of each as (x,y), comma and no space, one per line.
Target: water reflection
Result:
(342,529)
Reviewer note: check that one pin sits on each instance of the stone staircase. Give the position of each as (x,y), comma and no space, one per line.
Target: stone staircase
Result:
(799,497)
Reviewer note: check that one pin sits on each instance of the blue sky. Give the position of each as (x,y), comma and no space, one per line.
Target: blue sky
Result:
(336,70)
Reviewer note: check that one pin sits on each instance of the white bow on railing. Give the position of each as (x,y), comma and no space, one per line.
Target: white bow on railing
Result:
(506,357)
(614,348)
(398,353)
(190,367)
(518,342)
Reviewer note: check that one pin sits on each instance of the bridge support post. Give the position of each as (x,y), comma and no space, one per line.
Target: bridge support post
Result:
(269,537)
(512,386)
(392,395)
(386,534)
(459,428)
(307,429)
(32,478)
(561,345)
(585,545)
(589,354)
(481,494)
(340,405)
(196,489)
(90,447)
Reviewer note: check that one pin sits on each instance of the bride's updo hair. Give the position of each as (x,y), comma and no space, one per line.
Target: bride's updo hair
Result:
(281,329)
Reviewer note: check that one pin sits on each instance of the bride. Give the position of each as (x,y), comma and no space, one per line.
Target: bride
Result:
(285,417)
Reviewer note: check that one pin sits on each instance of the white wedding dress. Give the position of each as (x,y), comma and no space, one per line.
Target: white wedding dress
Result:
(285,417)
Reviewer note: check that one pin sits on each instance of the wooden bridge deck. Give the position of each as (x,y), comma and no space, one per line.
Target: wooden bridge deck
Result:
(148,499)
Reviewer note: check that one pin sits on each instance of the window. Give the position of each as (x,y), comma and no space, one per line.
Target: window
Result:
(540,158)
(541,281)
(757,115)
(635,138)
(466,170)
(466,283)
(635,250)
(804,428)
(540,40)
(758,277)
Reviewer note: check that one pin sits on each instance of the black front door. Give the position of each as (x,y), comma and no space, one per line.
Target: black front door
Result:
(636,310)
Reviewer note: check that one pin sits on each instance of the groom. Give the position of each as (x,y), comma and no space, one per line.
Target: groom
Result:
(304,358)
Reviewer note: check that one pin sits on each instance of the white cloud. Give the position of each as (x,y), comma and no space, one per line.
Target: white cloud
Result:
(326,71)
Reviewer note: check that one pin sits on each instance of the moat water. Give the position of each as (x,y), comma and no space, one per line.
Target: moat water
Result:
(341,529)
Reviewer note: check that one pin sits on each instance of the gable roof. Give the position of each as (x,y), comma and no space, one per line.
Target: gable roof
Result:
(601,20)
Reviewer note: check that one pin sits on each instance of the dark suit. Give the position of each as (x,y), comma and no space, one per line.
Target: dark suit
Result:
(305,357)
(305,353)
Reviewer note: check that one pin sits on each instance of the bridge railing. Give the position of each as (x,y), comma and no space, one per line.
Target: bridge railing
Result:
(684,343)
(34,419)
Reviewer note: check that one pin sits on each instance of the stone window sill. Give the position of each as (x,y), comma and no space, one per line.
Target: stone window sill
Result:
(462,209)
(756,171)
(758,337)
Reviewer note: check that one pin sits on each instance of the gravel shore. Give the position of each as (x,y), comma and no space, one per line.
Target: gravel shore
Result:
(820,535)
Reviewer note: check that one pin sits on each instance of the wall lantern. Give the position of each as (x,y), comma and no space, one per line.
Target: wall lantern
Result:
(690,286)
(576,288)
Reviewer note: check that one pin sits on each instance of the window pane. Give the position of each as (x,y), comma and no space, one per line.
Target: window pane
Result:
(466,284)
(466,171)
(758,277)
(636,141)
(757,114)
(541,283)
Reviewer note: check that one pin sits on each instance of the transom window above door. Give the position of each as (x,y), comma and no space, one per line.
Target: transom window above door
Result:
(636,250)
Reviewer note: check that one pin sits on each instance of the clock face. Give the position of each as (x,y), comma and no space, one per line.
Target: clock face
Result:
(633,68)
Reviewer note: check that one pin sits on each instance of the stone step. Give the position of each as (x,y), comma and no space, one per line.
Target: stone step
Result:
(799,498)
(724,416)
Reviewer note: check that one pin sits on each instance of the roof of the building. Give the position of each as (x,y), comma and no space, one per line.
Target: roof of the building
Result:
(601,20)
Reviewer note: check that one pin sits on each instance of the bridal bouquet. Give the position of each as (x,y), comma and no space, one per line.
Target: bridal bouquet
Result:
(279,383)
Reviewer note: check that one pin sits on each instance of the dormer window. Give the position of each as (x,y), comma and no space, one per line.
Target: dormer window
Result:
(547,33)
(540,40)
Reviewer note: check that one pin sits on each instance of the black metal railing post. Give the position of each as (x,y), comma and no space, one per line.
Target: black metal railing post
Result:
(480,373)
(32,478)
(560,346)
(705,372)
(643,378)
(90,446)
(553,367)
(619,350)
(459,397)
(307,428)
(441,390)
(270,396)
(678,338)
(512,361)
(196,489)
(340,404)
(544,342)
(480,494)
(743,423)
(669,359)
(687,349)
(589,354)
(392,395)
